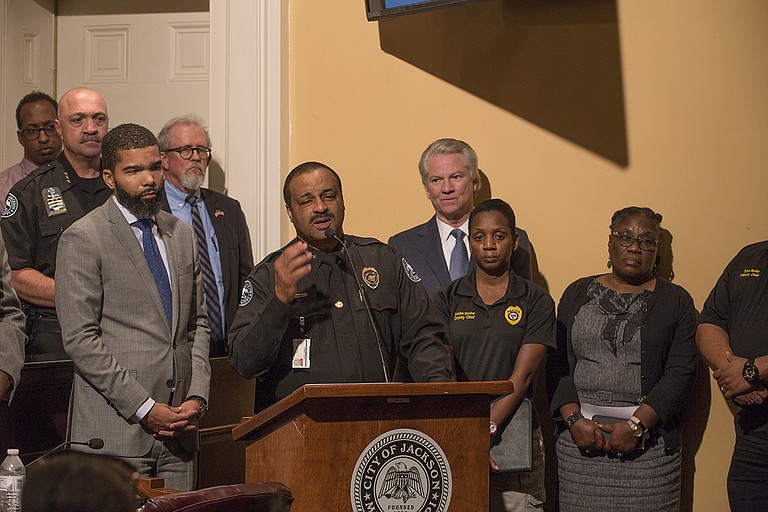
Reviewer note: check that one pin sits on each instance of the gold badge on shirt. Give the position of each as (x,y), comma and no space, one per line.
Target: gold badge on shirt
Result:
(53,201)
(371,277)
(513,314)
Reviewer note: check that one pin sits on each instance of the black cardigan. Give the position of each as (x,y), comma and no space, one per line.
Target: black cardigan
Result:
(669,355)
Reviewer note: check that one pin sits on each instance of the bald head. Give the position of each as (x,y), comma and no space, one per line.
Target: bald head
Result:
(83,121)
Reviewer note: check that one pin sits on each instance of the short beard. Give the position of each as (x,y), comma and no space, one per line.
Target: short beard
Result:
(141,208)
(192,181)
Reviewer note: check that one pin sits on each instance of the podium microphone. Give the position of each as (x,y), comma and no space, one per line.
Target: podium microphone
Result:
(94,444)
(331,234)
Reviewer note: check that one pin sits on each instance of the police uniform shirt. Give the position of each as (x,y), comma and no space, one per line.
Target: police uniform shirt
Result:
(739,302)
(739,305)
(40,207)
(487,338)
(329,312)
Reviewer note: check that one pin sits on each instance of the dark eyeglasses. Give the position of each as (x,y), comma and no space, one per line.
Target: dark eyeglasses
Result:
(186,152)
(626,240)
(31,133)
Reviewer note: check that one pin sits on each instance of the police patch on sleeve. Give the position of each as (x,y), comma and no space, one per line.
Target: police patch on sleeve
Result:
(412,275)
(11,205)
(247,294)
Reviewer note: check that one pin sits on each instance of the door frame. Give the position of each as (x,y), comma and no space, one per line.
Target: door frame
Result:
(248,110)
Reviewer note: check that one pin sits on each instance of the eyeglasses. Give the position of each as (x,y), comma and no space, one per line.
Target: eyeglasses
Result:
(31,133)
(186,152)
(626,240)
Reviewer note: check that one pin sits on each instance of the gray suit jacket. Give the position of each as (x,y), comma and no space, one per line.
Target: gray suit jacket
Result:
(115,330)
(12,338)
(422,248)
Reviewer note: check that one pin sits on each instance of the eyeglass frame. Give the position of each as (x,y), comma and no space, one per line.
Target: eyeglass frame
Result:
(192,150)
(640,240)
(49,129)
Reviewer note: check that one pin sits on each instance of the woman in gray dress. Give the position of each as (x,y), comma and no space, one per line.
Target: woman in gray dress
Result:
(625,362)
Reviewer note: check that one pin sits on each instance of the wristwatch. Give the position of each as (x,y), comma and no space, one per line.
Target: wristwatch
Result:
(203,404)
(494,428)
(636,426)
(750,372)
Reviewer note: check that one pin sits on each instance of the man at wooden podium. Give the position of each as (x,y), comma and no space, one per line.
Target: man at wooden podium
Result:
(331,307)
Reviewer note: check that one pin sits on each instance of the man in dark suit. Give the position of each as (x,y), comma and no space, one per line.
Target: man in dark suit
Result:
(132,313)
(438,249)
(226,256)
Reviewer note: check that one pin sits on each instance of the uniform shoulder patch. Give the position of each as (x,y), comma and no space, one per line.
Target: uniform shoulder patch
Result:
(11,206)
(412,275)
(247,294)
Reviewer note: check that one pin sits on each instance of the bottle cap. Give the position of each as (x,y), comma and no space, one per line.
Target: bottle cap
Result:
(13,451)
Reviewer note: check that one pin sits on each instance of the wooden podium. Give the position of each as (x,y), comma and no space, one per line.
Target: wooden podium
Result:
(374,444)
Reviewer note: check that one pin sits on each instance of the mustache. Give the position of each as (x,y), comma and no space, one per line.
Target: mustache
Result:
(90,138)
(149,190)
(322,215)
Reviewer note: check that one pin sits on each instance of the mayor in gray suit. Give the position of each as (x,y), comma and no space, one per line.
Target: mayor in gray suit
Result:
(451,179)
(133,319)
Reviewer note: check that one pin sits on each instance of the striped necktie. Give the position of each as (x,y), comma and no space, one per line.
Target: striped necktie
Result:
(218,347)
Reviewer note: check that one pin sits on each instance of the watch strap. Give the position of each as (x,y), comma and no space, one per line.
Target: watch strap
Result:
(572,419)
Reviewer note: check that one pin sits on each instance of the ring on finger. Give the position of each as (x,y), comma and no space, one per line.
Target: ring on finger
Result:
(722,388)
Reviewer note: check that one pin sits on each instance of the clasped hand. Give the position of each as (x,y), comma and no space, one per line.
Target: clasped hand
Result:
(166,421)
(588,435)
(733,385)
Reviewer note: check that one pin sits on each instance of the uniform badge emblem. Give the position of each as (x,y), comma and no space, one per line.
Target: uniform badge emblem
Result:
(53,201)
(412,275)
(371,277)
(11,206)
(247,294)
(513,314)
(402,469)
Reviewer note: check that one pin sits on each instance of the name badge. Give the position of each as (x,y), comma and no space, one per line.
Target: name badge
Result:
(301,352)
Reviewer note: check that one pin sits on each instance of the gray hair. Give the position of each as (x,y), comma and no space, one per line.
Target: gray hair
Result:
(164,137)
(450,147)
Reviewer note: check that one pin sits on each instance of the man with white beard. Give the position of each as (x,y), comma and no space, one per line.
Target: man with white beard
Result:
(220,227)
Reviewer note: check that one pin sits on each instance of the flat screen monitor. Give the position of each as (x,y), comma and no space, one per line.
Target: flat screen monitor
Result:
(382,9)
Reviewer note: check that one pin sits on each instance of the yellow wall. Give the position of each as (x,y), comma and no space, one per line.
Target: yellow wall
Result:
(684,130)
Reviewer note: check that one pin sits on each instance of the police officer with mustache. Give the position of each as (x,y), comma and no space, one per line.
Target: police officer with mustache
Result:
(41,206)
(330,307)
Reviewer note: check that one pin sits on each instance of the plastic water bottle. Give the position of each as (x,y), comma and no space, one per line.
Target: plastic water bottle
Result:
(12,474)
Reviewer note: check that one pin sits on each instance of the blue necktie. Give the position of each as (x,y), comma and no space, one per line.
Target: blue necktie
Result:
(211,291)
(156,266)
(459,259)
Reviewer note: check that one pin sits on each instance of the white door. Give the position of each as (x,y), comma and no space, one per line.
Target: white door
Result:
(26,61)
(149,67)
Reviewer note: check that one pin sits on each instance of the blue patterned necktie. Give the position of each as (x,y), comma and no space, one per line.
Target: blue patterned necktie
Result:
(459,258)
(156,266)
(211,291)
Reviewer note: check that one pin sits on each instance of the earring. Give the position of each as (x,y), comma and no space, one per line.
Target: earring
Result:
(609,263)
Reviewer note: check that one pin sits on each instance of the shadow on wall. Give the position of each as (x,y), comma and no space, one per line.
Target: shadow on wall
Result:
(695,417)
(555,63)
